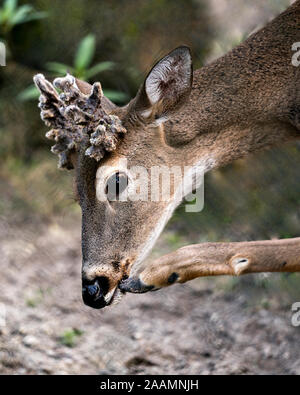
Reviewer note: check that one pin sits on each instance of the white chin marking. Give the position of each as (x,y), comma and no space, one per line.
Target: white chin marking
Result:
(110,295)
(113,297)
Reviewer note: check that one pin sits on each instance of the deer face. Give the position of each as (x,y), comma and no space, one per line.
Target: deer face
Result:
(113,150)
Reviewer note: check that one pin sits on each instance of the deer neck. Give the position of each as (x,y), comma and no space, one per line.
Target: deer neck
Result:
(243,102)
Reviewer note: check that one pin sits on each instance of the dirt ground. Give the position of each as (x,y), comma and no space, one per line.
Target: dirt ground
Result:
(191,329)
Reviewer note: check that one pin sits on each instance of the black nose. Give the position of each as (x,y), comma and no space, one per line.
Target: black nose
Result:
(93,292)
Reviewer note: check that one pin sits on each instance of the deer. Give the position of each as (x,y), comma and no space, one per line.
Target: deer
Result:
(243,102)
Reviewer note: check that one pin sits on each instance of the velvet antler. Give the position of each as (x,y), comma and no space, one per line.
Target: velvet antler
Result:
(75,116)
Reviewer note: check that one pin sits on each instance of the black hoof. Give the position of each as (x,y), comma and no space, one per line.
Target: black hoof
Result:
(135,285)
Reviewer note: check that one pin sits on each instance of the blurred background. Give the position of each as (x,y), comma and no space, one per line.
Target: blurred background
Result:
(211,322)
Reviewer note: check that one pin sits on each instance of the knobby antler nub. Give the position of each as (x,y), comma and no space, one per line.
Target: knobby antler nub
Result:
(74,117)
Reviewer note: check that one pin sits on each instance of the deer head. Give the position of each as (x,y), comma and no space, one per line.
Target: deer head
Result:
(245,101)
(95,137)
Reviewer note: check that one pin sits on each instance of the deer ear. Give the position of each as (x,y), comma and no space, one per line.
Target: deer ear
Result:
(168,85)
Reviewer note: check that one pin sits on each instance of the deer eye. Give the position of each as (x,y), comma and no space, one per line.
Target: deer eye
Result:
(115,185)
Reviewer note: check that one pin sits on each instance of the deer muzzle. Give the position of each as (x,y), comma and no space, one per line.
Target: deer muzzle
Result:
(94,292)
(100,284)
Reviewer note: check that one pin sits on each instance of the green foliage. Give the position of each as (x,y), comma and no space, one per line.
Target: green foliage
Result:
(174,240)
(37,297)
(29,93)
(85,54)
(115,96)
(12,15)
(81,69)
(36,189)
(69,337)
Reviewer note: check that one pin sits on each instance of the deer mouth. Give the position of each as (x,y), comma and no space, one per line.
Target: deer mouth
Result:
(97,293)
(99,301)
(101,288)
(113,296)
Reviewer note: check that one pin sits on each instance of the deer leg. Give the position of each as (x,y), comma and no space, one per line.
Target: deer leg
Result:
(217,259)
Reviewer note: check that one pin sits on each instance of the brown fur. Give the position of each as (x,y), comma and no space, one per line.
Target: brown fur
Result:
(215,259)
(245,101)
